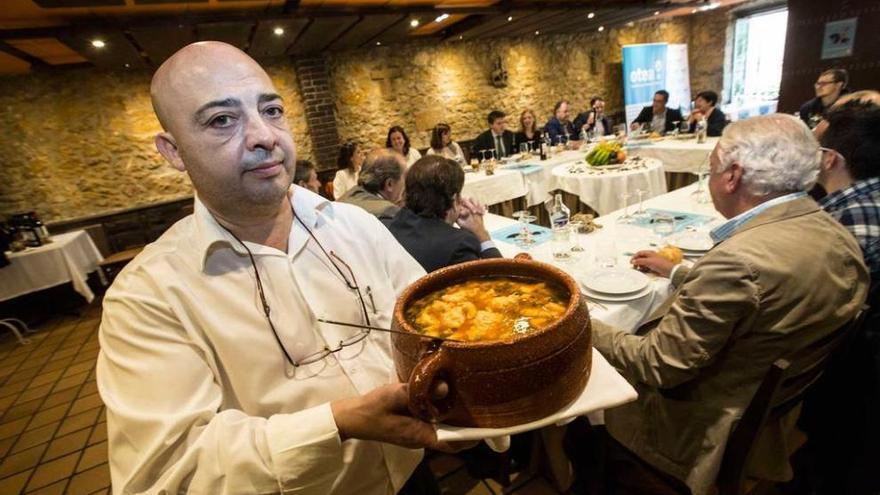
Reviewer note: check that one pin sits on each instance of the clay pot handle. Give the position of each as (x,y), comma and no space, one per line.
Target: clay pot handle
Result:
(432,367)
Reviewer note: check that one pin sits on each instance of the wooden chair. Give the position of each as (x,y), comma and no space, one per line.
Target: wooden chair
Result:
(113,264)
(782,389)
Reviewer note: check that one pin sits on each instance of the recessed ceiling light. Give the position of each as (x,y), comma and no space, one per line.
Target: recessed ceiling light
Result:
(414,23)
(694,11)
(378,43)
(460,37)
(98,43)
(630,24)
(441,18)
(591,15)
(278,31)
(509,18)
(656,12)
(601,28)
(537,33)
(127,66)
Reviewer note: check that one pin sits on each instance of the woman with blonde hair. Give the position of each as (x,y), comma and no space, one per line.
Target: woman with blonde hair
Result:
(528,130)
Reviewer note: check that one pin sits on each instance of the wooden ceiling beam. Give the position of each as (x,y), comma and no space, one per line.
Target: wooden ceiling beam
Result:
(27,57)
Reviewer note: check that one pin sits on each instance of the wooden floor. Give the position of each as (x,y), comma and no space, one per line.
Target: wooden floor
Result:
(53,430)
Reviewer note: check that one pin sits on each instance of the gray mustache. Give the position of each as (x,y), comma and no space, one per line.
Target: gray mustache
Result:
(261,156)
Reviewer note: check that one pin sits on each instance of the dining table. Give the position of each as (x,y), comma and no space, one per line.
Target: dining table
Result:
(70,257)
(611,187)
(618,241)
(679,153)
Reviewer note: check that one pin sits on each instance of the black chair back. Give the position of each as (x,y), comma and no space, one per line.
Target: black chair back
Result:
(782,388)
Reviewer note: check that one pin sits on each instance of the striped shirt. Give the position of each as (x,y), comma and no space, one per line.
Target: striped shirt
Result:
(725,230)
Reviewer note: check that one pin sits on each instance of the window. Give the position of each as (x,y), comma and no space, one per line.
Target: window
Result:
(758,49)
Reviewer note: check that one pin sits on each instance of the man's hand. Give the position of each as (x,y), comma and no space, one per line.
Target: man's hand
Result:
(382,416)
(471,218)
(651,261)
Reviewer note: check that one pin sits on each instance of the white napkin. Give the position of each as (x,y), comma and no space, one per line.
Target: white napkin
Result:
(605,389)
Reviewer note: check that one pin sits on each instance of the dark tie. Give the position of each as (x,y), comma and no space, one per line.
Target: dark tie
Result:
(499,147)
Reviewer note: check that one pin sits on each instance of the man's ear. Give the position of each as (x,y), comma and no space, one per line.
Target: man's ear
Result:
(734,182)
(167,146)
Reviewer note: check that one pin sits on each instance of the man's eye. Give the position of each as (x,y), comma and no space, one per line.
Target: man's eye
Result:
(221,121)
(274,111)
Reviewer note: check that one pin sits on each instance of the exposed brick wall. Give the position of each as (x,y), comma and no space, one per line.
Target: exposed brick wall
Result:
(314,83)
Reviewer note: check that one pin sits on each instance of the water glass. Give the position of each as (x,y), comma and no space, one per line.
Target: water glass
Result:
(663,225)
(606,253)
(625,218)
(561,243)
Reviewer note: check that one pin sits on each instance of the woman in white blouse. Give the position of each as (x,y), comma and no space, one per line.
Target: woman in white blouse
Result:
(399,142)
(442,144)
(350,159)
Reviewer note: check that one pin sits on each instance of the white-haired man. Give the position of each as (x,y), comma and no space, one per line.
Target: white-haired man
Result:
(782,275)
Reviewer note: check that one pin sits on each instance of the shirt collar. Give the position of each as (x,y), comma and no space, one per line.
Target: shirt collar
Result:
(840,198)
(728,228)
(210,236)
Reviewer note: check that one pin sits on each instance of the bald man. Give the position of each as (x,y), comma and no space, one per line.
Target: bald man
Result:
(217,375)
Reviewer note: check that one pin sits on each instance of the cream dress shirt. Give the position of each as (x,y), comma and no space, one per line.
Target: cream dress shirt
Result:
(199,396)
(452,151)
(344,180)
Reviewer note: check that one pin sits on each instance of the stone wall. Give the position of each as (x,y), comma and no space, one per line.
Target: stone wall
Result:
(80,142)
(418,86)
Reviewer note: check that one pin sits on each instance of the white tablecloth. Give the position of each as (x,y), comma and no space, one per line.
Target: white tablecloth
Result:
(602,191)
(504,185)
(69,258)
(677,155)
(626,239)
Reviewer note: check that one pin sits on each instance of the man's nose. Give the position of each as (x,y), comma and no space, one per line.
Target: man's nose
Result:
(259,134)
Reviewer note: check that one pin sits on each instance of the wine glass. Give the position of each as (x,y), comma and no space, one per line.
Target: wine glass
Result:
(701,195)
(626,218)
(675,127)
(641,213)
(576,226)
(685,127)
(524,148)
(524,239)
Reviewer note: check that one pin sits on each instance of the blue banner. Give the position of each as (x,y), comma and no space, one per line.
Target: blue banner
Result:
(644,72)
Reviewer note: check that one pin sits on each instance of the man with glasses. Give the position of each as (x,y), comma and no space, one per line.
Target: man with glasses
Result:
(220,366)
(829,87)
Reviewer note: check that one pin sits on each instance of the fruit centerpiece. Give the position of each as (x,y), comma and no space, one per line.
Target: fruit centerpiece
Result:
(606,153)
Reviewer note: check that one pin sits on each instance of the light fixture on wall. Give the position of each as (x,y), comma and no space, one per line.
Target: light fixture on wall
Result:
(98,43)
(278,31)
(591,15)
(441,18)
(414,23)
(601,28)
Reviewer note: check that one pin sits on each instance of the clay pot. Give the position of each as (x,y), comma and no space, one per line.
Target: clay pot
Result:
(494,384)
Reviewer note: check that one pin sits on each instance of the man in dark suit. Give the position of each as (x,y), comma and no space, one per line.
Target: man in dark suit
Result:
(433,204)
(497,137)
(659,118)
(593,119)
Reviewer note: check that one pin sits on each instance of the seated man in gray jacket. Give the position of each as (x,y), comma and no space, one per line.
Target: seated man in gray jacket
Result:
(380,184)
